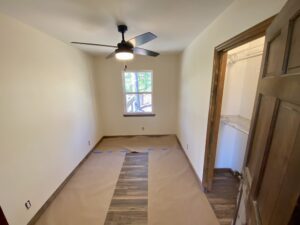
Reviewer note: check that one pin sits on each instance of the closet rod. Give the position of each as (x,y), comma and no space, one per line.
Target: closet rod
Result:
(243,58)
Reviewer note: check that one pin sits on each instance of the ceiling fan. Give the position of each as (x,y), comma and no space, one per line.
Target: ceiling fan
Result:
(125,50)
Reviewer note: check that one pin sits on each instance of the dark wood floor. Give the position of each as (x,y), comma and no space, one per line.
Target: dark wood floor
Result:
(129,204)
(223,196)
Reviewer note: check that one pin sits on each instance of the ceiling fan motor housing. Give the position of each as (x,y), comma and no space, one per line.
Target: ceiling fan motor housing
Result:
(125,46)
(122,28)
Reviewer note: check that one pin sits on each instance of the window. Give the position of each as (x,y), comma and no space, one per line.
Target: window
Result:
(138,87)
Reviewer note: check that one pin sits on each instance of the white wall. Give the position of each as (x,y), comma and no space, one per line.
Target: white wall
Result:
(231,148)
(196,71)
(252,70)
(233,88)
(109,83)
(241,79)
(48,113)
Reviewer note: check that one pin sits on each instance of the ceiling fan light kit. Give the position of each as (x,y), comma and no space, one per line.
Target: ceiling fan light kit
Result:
(125,50)
(124,55)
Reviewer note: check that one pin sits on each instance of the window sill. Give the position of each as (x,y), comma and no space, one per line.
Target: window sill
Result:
(139,115)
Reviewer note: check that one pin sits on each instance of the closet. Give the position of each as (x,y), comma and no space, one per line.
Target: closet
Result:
(241,78)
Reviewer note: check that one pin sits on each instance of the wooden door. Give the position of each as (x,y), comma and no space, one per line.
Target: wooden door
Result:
(273,165)
(3,220)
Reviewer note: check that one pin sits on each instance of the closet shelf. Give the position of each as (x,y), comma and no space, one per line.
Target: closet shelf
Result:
(238,122)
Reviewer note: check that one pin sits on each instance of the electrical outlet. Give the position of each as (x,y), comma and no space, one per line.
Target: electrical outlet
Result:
(187,146)
(89,142)
(28,204)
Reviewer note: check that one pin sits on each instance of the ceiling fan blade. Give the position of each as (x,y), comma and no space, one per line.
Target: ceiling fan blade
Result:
(141,51)
(110,55)
(84,43)
(142,39)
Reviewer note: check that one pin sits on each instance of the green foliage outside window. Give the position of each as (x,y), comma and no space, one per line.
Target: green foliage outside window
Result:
(138,82)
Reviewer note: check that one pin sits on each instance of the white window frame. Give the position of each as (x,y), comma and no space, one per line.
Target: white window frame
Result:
(125,113)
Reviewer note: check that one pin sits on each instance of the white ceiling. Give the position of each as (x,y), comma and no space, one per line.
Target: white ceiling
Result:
(175,22)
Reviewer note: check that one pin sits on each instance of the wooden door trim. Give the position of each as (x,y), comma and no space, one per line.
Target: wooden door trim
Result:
(217,85)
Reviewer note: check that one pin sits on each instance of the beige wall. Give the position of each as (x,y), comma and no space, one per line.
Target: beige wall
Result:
(48,114)
(109,84)
(196,71)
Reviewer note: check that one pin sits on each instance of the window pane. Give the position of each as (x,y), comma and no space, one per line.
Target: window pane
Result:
(138,82)
(130,82)
(138,103)
(144,82)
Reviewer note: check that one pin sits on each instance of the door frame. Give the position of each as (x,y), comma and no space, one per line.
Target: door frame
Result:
(217,85)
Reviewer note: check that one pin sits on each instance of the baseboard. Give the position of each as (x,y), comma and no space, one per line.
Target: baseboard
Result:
(223,170)
(134,135)
(60,187)
(236,174)
(190,163)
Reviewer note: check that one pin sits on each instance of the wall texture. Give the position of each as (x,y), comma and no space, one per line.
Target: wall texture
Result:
(196,71)
(109,84)
(48,114)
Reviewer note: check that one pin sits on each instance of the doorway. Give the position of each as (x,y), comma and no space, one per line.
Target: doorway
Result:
(236,72)
(242,71)
(240,84)
(217,91)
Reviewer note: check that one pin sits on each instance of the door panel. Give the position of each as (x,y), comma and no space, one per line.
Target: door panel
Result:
(285,133)
(275,48)
(273,162)
(263,122)
(287,199)
(293,64)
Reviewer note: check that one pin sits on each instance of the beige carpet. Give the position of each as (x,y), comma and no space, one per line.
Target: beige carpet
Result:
(174,196)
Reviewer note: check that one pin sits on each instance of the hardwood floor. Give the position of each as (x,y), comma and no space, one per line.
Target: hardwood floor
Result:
(223,196)
(129,204)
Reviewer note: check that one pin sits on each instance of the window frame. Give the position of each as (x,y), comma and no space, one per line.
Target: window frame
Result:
(137,114)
